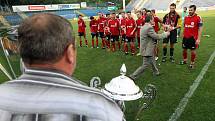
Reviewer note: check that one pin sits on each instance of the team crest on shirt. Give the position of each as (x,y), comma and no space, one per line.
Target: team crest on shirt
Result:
(192,23)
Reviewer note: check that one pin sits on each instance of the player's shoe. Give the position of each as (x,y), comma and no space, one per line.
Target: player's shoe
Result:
(156,73)
(164,59)
(156,58)
(182,62)
(191,66)
(97,47)
(126,53)
(138,54)
(132,54)
(172,59)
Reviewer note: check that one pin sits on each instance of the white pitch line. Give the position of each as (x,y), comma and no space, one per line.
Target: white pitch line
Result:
(183,103)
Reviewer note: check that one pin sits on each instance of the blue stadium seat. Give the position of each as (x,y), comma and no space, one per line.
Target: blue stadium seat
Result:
(13,19)
(93,12)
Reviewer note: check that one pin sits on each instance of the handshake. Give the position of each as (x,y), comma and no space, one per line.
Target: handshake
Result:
(168,28)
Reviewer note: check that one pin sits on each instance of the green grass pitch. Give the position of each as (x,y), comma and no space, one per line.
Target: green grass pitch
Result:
(171,85)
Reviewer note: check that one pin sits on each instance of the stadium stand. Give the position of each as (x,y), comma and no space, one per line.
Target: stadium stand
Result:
(140,5)
(131,4)
(14,19)
(157,4)
(93,12)
(199,3)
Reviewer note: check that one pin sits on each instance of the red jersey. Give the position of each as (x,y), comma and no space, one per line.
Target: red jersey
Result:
(81,25)
(101,24)
(191,26)
(144,17)
(140,22)
(156,24)
(113,25)
(130,26)
(122,25)
(94,26)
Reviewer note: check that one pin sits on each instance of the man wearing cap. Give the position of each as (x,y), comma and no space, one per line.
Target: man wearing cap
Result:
(46,91)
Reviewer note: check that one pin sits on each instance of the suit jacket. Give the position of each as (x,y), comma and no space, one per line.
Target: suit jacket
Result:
(48,95)
(147,39)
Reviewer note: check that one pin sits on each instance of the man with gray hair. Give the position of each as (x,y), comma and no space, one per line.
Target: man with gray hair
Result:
(148,36)
(45,91)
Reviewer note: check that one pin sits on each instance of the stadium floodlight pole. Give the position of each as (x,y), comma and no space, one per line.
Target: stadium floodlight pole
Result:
(14,75)
(5,72)
(123,1)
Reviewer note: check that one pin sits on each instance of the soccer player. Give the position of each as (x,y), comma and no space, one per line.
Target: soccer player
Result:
(172,19)
(82,30)
(140,22)
(156,22)
(101,26)
(94,31)
(107,31)
(130,33)
(144,10)
(113,25)
(123,27)
(192,35)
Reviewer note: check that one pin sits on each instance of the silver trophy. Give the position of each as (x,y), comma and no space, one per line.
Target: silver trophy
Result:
(123,88)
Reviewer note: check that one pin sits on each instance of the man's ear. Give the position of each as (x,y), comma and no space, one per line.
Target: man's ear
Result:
(71,54)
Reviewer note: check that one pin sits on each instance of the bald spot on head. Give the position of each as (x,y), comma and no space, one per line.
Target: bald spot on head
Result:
(44,37)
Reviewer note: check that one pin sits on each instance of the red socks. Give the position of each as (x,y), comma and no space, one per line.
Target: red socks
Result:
(119,45)
(86,42)
(125,47)
(113,46)
(103,42)
(193,56)
(132,47)
(185,55)
(93,43)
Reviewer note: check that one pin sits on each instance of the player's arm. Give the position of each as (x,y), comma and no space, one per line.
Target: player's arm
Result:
(135,27)
(200,24)
(108,27)
(179,24)
(84,25)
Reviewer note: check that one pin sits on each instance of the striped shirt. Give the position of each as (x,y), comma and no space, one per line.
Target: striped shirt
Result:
(50,95)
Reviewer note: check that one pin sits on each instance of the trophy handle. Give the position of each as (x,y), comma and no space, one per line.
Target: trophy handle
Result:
(95,82)
(149,96)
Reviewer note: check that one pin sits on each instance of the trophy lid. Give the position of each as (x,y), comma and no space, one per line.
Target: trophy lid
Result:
(122,87)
